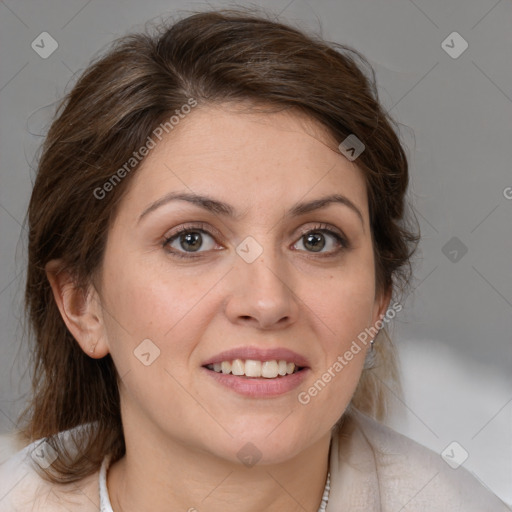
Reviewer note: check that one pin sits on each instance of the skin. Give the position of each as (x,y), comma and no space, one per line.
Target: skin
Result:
(182,429)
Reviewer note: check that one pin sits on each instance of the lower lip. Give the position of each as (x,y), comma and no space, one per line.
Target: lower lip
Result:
(259,387)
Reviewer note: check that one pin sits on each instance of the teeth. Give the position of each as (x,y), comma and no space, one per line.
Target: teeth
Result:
(269,369)
(254,368)
(237,367)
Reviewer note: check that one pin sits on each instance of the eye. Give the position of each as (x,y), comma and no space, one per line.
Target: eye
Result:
(188,240)
(321,237)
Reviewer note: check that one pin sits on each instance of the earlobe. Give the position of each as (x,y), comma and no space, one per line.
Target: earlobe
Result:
(80,310)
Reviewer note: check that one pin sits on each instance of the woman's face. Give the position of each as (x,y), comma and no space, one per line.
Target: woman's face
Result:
(244,281)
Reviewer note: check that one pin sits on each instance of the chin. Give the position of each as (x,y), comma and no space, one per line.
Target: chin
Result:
(263,445)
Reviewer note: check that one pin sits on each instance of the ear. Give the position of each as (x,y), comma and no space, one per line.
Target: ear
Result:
(381,305)
(81,311)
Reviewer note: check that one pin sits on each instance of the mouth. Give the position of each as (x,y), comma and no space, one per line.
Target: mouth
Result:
(256,369)
(255,372)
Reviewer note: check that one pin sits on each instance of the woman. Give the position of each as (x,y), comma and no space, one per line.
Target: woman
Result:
(217,240)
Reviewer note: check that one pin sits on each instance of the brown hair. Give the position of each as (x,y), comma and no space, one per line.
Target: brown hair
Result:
(219,56)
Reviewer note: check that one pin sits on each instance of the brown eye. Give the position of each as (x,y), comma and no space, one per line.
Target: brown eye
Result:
(189,240)
(316,240)
(192,241)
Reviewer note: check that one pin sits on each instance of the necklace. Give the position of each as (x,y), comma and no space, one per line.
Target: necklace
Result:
(106,506)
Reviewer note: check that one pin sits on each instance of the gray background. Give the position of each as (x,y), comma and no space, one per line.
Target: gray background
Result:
(456,120)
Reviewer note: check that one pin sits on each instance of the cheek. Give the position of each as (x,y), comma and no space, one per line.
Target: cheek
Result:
(135,308)
(152,330)
(144,297)
(144,300)
(343,300)
(344,304)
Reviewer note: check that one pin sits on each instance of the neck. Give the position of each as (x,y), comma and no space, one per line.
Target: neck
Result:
(180,478)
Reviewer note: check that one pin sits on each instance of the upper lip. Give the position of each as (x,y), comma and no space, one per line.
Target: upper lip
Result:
(259,354)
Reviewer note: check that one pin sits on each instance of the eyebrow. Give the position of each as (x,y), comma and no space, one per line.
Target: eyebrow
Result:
(224,209)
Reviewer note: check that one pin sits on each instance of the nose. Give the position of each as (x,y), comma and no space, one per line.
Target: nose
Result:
(261,294)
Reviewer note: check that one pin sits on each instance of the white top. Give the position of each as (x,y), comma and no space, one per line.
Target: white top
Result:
(372,469)
(105,505)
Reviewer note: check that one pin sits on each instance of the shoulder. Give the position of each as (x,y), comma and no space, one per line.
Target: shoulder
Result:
(23,489)
(409,476)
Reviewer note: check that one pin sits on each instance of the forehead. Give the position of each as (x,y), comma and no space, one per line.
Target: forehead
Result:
(248,159)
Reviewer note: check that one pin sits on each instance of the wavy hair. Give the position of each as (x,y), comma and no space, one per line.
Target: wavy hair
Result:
(232,55)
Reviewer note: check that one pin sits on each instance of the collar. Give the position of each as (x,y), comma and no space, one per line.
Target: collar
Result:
(354,479)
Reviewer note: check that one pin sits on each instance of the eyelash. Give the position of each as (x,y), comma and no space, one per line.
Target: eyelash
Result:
(320,228)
